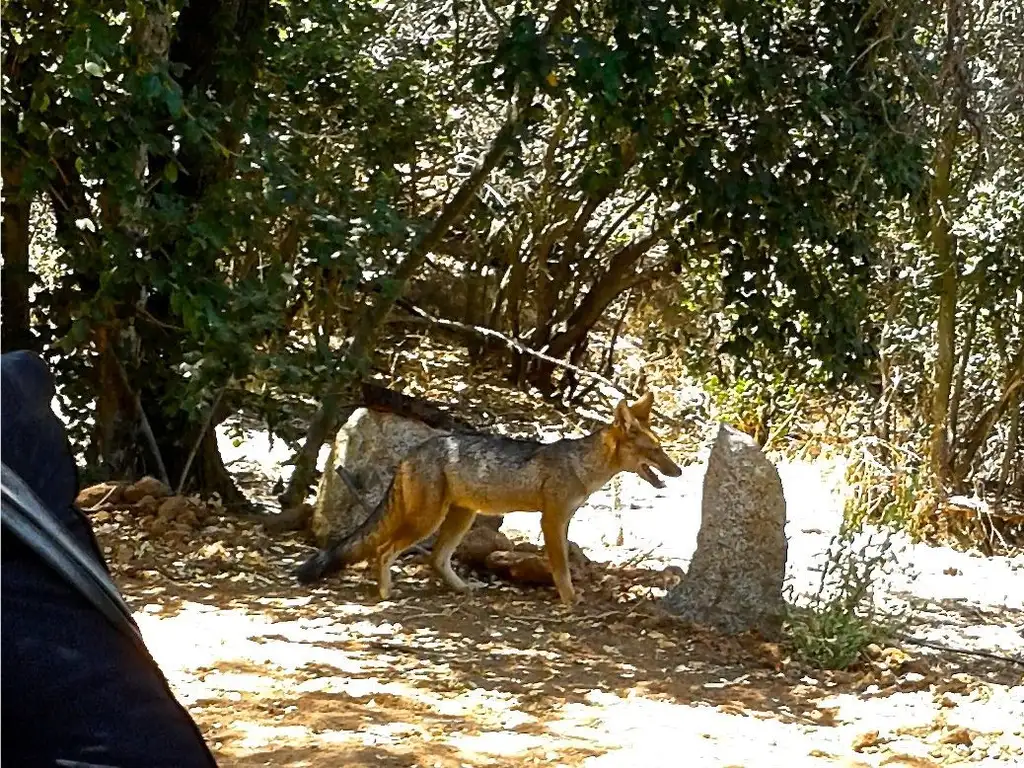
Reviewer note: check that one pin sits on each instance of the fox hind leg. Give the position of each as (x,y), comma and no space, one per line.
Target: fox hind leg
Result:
(456,523)
(386,559)
(384,562)
(412,532)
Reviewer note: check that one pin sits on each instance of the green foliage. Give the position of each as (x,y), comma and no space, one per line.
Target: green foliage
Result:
(771,137)
(966,87)
(773,140)
(747,177)
(885,485)
(831,629)
(193,226)
(829,637)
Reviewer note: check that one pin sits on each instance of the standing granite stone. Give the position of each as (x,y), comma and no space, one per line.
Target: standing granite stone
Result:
(735,579)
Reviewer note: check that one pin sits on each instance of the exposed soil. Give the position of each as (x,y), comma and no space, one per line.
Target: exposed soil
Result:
(281,675)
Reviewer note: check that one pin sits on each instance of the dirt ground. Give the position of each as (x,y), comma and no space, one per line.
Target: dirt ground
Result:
(278,674)
(281,675)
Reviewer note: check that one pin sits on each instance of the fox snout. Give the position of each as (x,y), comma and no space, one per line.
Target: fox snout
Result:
(664,464)
(668,467)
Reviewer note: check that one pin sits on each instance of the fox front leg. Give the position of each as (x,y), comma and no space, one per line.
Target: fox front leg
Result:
(555,528)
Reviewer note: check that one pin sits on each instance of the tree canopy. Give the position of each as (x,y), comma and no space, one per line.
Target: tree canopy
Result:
(215,206)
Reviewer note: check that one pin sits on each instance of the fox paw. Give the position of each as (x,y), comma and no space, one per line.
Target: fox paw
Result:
(569,601)
(468,588)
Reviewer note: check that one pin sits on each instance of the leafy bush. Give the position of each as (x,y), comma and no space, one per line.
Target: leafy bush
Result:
(885,485)
(831,629)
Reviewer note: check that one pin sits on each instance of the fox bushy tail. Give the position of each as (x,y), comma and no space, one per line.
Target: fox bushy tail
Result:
(360,543)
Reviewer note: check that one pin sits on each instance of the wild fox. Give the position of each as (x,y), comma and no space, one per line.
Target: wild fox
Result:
(444,482)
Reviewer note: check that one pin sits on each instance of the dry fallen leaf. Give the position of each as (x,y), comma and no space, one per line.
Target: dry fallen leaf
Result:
(825,716)
(732,708)
(910,761)
(864,740)
(216,549)
(958,736)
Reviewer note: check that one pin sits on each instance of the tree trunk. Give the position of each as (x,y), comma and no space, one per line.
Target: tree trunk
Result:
(1011,447)
(608,366)
(551,281)
(947,284)
(475,286)
(373,317)
(507,287)
(325,419)
(602,293)
(983,426)
(116,431)
(888,395)
(22,67)
(15,277)
(953,95)
(556,280)
(217,45)
(958,385)
(570,380)
(453,211)
(176,438)
(517,279)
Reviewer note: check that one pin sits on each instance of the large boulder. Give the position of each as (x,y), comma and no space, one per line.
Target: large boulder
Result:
(735,580)
(369,447)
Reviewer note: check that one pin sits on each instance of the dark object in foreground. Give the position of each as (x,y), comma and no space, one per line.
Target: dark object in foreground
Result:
(79,687)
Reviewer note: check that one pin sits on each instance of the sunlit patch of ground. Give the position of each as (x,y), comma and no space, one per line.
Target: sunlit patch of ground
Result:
(505,680)
(281,675)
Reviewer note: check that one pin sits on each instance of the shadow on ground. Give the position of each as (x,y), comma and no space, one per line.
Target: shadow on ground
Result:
(282,675)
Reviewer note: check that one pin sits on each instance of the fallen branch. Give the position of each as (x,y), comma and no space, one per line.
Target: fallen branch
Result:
(376,396)
(638,558)
(199,441)
(520,347)
(964,651)
(147,430)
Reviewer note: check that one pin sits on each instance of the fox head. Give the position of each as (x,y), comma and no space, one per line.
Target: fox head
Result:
(636,446)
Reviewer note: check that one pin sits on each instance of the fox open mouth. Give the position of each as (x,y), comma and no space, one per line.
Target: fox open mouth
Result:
(647,473)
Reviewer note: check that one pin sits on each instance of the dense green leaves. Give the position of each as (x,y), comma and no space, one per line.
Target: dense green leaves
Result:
(228,200)
(778,133)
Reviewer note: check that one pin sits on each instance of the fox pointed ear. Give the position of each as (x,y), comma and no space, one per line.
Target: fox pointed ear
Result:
(624,418)
(642,407)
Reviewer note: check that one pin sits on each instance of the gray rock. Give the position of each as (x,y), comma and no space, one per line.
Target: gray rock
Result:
(735,579)
(369,446)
